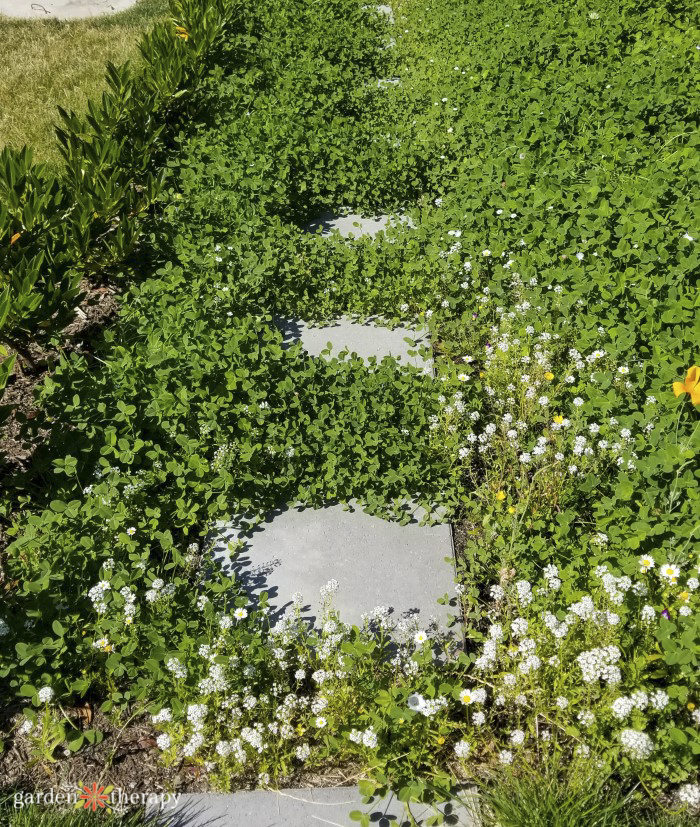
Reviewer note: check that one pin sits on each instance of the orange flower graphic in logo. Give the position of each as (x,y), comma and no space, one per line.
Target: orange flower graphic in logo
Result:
(92,798)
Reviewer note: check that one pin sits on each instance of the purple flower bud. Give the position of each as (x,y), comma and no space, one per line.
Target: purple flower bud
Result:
(666,614)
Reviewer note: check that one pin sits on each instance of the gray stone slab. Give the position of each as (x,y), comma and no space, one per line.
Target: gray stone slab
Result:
(305,808)
(353,224)
(386,10)
(62,9)
(365,339)
(385,83)
(376,562)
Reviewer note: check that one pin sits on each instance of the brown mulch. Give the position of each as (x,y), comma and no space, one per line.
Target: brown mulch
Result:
(96,310)
(127,759)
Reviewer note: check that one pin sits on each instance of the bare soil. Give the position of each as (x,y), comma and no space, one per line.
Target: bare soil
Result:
(128,759)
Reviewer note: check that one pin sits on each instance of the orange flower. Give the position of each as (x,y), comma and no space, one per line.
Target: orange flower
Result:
(691,385)
(14,238)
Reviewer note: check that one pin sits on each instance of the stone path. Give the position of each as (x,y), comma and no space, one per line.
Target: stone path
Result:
(376,563)
(305,808)
(62,9)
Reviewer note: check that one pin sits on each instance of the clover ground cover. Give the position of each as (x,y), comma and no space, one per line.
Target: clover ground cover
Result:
(547,158)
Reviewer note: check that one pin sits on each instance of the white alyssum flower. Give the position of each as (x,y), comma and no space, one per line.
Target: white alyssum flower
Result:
(462,749)
(45,694)
(517,737)
(689,794)
(638,745)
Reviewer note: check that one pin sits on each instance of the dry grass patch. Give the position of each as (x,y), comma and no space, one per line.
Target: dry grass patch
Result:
(45,63)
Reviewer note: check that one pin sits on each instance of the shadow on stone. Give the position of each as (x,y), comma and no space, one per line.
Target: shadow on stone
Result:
(354,225)
(304,807)
(376,562)
(367,339)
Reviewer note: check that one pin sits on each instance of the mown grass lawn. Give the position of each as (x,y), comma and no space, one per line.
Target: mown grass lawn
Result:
(50,63)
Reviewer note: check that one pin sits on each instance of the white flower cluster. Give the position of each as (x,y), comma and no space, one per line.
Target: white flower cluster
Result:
(689,795)
(368,738)
(216,681)
(159,589)
(97,594)
(601,664)
(176,666)
(637,745)
(622,707)
(426,706)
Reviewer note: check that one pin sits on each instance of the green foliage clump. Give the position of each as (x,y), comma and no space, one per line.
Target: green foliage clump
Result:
(542,162)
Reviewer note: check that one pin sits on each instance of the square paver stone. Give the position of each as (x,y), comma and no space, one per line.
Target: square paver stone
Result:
(376,562)
(365,339)
(353,224)
(386,10)
(305,808)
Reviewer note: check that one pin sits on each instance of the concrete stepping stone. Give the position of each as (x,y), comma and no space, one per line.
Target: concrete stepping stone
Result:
(305,808)
(385,9)
(385,83)
(376,562)
(365,339)
(352,224)
(62,9)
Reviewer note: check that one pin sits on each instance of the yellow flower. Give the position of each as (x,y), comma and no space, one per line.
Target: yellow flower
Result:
(549,376)
(182,32)
(511,509)
(558,419)
(691,706)
(441,740)
(481,374)
(691,385)
(684,595)
(500,496)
